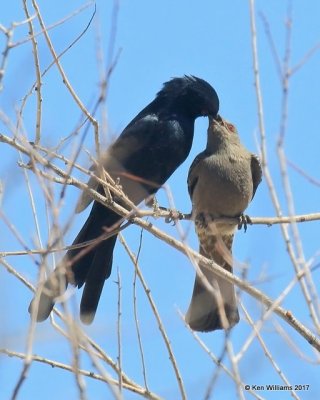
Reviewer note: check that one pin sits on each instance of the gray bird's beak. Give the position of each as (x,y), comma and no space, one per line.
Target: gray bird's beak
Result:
(216,121)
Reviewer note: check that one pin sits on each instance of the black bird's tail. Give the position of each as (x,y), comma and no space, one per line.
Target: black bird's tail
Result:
(90,265)
(93,263)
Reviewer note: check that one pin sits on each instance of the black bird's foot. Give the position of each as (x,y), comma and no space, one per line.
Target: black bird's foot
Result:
(244,221)
(173,216)
(152,202)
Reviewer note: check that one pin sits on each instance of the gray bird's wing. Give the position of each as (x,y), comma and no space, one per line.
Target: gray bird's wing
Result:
(256,172)
(192,175)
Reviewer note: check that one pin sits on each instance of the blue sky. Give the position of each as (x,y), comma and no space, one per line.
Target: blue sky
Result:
(157,41)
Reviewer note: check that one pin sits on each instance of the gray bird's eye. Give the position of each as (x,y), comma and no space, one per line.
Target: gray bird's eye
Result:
(230,127)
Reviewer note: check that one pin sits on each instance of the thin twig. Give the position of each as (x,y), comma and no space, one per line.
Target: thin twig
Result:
(61,70)
(89,374)
(296,252)
(50,27)
(119,331)
(218,370)
(181,247)
(38,73)
(266,171)
(158,318)
(213,357)
(269,355)
(173,214)
(303,173)
(235,368)
(95,351)
(135,311)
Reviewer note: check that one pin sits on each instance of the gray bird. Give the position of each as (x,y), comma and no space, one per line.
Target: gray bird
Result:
(222,181)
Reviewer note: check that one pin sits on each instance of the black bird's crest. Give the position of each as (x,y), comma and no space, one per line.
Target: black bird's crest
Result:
(181,86)
(197,96)
(178,85)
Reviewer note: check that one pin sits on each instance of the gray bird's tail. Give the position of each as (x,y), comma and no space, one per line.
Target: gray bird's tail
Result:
(213,303)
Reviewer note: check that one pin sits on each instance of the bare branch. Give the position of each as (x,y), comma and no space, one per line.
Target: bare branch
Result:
(158,318)
(90,374)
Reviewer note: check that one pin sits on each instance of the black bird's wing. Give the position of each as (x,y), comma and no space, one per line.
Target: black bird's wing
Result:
(143,158)
(151,148)
(124,156)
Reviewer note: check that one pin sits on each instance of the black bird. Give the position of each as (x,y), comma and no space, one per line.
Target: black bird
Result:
(143,157)
(222,181)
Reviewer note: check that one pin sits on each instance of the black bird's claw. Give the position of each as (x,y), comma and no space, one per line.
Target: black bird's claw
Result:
(152,202)
(244,221)
(173,216)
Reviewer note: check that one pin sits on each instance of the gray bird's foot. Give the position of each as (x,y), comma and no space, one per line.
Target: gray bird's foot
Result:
(202,220)
(244,221)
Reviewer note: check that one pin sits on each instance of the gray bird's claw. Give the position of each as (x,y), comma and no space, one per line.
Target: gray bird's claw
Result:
(244,221)
(203,219)
(200,221)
